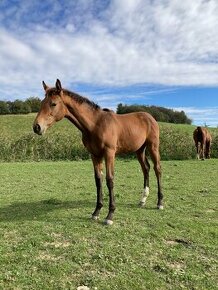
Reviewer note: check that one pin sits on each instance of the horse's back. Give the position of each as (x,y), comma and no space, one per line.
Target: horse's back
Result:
(142,120)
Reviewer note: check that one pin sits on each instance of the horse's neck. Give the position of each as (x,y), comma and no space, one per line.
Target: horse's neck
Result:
(81,115)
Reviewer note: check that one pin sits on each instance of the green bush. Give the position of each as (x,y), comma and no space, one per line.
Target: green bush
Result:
(175,144)
(35,148)
(214,147)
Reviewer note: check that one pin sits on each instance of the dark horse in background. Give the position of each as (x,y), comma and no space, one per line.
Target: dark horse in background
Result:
(104,134)
(202,140)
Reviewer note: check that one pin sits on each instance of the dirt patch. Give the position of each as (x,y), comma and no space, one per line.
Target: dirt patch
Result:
(210,210)
(64,244)
(171,242)
(46,257)
(178,241)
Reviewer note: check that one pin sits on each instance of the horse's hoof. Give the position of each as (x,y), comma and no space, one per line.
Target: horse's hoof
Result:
(95,217)
(108,222)
(160,207)
(141,204)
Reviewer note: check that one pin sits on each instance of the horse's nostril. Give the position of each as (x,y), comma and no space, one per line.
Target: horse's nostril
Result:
(37,129)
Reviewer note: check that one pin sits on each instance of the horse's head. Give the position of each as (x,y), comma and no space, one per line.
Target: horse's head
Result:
(52,108)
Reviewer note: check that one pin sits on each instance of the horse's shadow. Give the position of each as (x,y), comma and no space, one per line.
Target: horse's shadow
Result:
(36,210)
(39,210)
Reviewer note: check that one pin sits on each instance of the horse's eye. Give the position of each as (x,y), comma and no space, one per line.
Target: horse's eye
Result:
(53,104)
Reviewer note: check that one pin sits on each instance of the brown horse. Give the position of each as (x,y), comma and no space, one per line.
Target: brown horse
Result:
(104,134)
(202,139)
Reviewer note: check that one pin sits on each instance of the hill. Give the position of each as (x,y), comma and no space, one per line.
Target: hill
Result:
(63,141)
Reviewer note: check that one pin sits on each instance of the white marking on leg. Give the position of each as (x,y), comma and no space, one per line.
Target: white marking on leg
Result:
(160,207)
(145,194)
(95,217)
(108,222)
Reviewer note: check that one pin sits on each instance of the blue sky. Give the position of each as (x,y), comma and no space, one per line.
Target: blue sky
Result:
(158,52)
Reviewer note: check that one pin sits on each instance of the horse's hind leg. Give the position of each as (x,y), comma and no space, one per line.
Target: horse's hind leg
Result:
(145,169)
(155,156)
(202,149)
(198,150)
(207,149)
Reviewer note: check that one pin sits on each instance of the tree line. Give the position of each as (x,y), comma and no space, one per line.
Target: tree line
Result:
(160,114)
(30,105)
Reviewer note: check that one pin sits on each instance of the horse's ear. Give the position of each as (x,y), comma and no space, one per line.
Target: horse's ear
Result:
(44,85)
(58,85)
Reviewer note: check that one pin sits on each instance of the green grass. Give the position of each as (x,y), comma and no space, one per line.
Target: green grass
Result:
(19,125)
(49,242)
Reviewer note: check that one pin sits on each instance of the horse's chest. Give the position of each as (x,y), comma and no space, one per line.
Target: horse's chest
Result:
(93,145)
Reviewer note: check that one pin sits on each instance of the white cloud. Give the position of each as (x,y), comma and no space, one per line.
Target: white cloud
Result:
(201,117)
(113,42)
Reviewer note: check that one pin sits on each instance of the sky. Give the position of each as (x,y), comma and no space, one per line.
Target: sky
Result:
(149,52)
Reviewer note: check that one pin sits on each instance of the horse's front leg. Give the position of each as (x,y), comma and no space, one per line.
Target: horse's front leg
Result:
(97,163)
(109,163)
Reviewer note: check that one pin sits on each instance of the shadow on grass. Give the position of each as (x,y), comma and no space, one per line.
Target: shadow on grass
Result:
(36,210)
(136,206)
(39,209)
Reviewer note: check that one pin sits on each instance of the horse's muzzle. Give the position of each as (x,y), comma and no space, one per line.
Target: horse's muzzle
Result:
(37,129)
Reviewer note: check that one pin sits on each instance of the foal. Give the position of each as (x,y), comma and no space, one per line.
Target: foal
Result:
(104,134)
(202,139)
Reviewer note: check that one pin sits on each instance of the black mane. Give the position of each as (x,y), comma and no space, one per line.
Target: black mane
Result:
(79,99)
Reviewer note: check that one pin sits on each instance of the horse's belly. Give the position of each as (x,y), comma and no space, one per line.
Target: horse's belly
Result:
(128,146)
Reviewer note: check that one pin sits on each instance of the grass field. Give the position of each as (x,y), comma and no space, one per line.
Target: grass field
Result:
(49,242)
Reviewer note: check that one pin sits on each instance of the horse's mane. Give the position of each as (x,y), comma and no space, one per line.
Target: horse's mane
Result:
(79,99)
(107,110)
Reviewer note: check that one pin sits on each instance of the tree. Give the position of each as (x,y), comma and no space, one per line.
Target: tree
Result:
(20,107)
(4,109)
(160,114)
(34,103)
(119,108)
